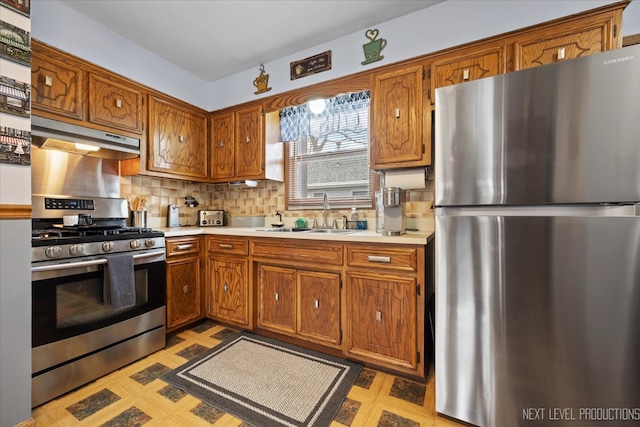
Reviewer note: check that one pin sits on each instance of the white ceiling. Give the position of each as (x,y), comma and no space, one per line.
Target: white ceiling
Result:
(213,39)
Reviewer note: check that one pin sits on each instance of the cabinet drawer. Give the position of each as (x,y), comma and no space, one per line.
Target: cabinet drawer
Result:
(228,245)
(182,246)
(309,251)
(383,257)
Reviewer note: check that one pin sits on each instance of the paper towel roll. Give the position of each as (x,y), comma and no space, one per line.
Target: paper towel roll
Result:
(407,179)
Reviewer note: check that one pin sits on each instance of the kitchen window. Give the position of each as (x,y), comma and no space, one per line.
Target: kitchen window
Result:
(328,152)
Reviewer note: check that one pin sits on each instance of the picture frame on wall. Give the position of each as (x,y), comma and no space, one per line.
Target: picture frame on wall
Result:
(15,146)
(15,44)
(21,6)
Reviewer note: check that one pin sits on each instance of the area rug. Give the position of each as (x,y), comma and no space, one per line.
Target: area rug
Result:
(268,383)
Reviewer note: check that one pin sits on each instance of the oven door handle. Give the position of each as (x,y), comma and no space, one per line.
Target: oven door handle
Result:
(88,263)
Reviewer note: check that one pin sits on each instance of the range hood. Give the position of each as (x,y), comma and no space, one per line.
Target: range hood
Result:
(56,135)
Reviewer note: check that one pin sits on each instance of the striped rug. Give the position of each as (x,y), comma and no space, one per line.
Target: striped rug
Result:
(268,383)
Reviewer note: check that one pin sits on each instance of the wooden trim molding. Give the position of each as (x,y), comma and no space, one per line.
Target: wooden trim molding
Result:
(631,40)
(27,423)
(15,211)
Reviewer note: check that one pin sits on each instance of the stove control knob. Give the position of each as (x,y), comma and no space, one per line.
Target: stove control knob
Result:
(149,243)
(76,250)
(53,252)
(107,246)
(134,244)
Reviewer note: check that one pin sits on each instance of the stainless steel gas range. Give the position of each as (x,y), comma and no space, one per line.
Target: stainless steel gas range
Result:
(98,292)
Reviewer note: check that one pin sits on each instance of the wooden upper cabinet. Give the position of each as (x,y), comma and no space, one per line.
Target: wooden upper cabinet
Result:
(397,118)
(222,147)
(249,142)
(568,40)
(466,66)
(115,104)
(56,86)
(177,140)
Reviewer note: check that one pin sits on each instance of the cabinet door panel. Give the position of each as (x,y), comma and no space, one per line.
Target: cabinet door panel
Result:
(277,298)
(397,117)
(57,87)
(383,318)
(183,291)
(222,147)
(319,305)
(249,142)
(178,140)
(228,299)
(114,105)
(464,68)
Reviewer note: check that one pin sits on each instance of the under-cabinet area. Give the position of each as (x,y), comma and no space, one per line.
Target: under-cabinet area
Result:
(358,299)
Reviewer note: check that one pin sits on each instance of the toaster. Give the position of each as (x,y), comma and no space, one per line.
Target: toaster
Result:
(211,218)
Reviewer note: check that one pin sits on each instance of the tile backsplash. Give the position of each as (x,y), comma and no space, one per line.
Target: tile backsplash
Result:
(265,199)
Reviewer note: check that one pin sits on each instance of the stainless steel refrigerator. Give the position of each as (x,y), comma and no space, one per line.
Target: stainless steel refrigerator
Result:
(537,192)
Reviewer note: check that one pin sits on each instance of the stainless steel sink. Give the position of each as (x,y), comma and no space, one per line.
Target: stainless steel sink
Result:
(286,230)
(332,231)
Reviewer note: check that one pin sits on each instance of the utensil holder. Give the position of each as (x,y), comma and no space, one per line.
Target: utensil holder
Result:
(139,219)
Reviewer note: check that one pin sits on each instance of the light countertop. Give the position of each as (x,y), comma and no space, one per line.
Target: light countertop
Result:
(364,236)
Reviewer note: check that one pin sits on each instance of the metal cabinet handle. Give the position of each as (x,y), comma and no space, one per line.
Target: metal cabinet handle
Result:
(465,74)
(225,287)
(378,316)
(185,289)
(561,54)
(316,303)
(181,138)
(276,296)
(184,247)
(225,246)
(397,113)
(119,103)
(221,143)
(375,258)
(48,81)
(248,140)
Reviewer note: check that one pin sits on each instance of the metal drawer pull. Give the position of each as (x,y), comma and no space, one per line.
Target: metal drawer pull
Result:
(225,246)
(180,138)
(48,81)
(118,103)
(376,258)
(276,296)
(185,289)
(316,303)
(378,316)
(465,74)
(225,287)
(397,113)
(184,247)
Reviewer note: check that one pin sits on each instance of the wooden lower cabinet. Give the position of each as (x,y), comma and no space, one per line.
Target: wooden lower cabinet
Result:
(184,266)
(385,306)
(300,303)
(381,321)
(277,298)
(318,306)
(228,296)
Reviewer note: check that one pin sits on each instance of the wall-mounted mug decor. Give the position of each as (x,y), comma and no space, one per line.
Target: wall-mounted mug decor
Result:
(261,82)
(373,48)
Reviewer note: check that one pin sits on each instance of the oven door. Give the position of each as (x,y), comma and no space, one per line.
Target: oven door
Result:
(68,299)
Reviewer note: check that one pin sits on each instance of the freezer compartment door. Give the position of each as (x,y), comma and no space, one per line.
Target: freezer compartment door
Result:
(537,317)
(561,133)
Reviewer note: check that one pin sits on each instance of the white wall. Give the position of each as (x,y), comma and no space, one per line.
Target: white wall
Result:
(447,24)
(15,265)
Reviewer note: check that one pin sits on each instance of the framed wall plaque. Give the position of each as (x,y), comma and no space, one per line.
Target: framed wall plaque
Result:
(312,65)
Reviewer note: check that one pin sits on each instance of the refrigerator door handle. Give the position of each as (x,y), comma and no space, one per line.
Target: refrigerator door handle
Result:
(590,210)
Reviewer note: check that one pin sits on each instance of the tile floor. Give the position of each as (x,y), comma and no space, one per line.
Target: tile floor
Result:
(135,395)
